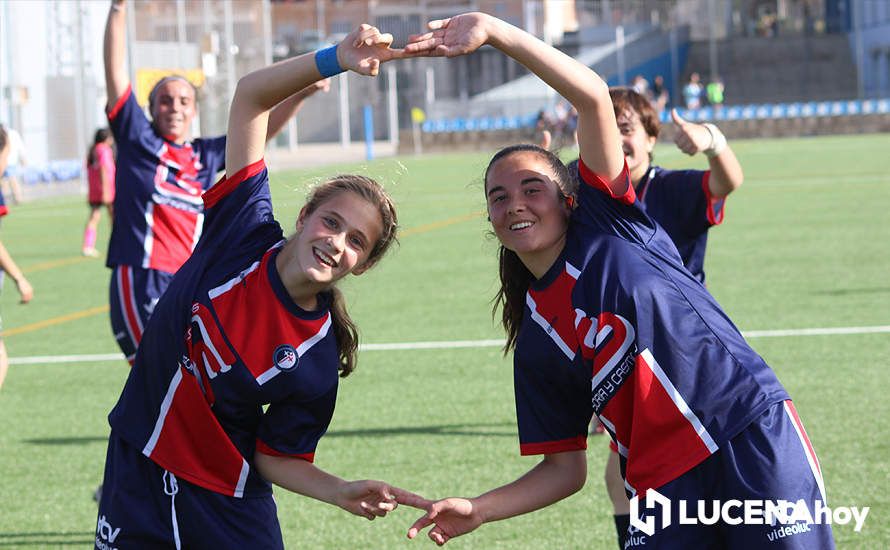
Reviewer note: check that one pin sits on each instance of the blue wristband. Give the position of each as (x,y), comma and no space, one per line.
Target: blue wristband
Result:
(326,62)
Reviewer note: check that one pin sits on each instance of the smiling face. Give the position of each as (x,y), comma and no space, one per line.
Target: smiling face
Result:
(636,143)
(336,239)
(528,213)
(173,109)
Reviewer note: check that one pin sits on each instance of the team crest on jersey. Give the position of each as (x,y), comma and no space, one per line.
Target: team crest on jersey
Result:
(285,357)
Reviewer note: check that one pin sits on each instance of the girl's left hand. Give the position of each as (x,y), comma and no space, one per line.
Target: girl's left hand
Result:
(458,35)
(364,49)
(367,498)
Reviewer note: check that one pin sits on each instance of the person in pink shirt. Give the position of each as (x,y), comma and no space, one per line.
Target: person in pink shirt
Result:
(100,177)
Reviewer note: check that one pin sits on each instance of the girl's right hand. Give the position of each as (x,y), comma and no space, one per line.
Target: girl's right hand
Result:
(458,35)
(364,49)
(366,498)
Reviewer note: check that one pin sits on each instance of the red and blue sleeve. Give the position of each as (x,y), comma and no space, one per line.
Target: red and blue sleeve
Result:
(129,124)
(619,215)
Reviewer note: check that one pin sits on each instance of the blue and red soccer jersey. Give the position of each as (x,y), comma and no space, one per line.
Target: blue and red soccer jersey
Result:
(224,341)
(619,328)
(681,202)
(158,208)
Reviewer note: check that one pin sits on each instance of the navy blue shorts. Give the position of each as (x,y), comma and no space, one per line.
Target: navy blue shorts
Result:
(144,506)
(132,296)
(771,460)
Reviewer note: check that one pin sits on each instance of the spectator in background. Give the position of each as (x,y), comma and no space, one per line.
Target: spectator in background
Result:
(100,178)
(15,164)
(570,130)
(641,86)
(660,95)
(693,91)
(8,265)
(714,91)
(543,124)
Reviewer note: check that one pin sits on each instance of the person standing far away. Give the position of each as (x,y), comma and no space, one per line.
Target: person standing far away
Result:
(660,95)
(100,187)
(714,91)
(693,91)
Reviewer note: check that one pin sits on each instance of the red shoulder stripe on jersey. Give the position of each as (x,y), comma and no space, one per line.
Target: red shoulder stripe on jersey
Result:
(116,108)
(805,439)
(807,446)
(594,180)
(267,450)
(577,443)
(226,186)
(715,206)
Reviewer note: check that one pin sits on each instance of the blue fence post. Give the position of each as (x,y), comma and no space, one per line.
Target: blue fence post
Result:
(369,132)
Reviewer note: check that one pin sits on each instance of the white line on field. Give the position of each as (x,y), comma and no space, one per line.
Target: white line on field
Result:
(453,344)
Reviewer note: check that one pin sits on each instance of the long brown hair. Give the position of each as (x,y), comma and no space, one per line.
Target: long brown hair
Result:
(515,277)
(344,328)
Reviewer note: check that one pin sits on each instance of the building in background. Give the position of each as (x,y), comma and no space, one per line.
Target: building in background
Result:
(52,81)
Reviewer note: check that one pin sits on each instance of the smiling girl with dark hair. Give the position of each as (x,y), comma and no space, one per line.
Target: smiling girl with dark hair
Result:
(613,324)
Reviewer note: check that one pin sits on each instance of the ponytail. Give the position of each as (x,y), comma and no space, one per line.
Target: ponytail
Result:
(345,332)
(515,280)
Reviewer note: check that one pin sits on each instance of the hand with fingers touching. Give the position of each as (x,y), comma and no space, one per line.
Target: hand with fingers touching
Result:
(364,49)
(458,35)
(450,517)
(367,498)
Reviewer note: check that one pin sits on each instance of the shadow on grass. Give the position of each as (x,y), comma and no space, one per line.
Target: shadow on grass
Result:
(66,441)
(854,291)
(480,429)
(47,540)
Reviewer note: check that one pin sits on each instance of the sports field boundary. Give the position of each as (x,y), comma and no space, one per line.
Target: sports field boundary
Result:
(456,344)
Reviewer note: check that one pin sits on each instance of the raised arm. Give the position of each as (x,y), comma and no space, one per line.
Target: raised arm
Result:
(283,112)
(362,51)
(554,478)
(692,138)
(598,138)
(114,51)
